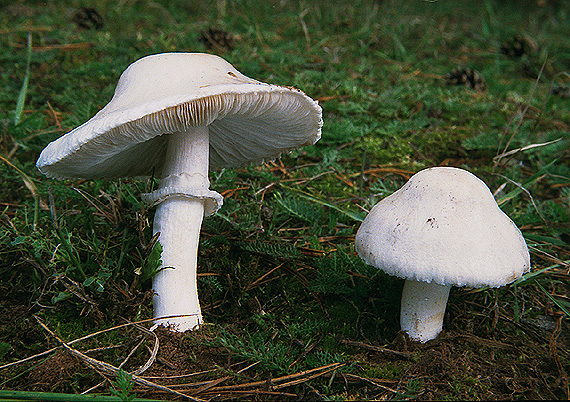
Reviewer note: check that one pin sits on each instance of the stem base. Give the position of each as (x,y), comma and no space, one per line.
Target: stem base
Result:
(422,309)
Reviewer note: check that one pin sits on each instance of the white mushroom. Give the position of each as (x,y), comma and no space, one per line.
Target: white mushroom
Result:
(177,115)
(443,228)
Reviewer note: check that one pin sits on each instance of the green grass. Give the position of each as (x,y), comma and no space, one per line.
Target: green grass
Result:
(280,283)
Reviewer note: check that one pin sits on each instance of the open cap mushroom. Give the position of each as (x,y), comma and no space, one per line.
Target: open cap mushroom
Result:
(177,116)
(443,228)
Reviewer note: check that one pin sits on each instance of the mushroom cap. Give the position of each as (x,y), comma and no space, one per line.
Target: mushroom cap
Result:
(443,225)
(249,121)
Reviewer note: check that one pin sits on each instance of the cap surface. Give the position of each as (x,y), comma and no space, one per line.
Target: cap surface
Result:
(249,121)
(444,225)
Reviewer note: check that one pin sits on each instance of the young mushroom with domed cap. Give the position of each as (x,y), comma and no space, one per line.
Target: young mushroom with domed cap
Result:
(178,115)
(443,228)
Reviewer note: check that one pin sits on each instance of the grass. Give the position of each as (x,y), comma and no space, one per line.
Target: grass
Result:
(291,310)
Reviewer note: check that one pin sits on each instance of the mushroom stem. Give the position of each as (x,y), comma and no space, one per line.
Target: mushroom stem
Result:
(422,309)
(179,219)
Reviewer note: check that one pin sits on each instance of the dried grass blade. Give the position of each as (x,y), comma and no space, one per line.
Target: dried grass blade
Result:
(553,300)
(531,146)
(243,370)
(259,280)
(523,114)
(211,384)
(376,348)
(274,382)
(153,354)
(24,90)
(531,180)
(176,377)
(369,381)
(305,379)
(245,393)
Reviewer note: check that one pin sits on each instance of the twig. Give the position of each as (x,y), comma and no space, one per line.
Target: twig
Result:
(531,146)
(103,348)
(26,28)
(269,386)
(211,384)
(93,388)
(549,257)
(126,359)
(369,381)
(153,353)
(55,118)
(213,42)
(405,355)
(302,380)
(259,280)
(176,377)
(402,172)
(248,367)
(242,393)
(484,342)
(75,289)
(273,383)
(91,200)
(305,352)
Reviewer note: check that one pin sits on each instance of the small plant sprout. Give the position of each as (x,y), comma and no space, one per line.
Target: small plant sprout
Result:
(123,385)
(443,228)
(177,116)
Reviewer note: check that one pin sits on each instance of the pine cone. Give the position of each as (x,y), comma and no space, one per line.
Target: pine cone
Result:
(215,38)
(466,76)
(517,46)
(561,90)
(88,18)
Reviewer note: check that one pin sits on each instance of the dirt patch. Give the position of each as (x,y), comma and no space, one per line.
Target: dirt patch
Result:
(464,367)
(55,373)
(185,353)
(516,361)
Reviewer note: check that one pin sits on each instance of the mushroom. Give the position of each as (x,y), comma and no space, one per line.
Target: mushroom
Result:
(176,116)
(443,228)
